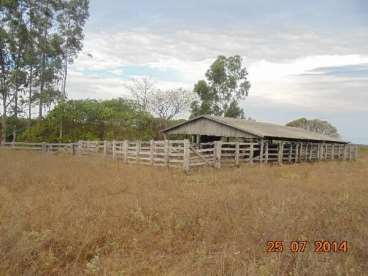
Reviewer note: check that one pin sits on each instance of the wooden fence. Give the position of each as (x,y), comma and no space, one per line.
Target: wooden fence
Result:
(180,153)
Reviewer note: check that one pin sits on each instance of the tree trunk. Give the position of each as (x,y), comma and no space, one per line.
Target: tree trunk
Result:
(42,85)
(30,97)
(3,121)
(43,65)
(61,130)
(4,96)
(15,113)
(65,76)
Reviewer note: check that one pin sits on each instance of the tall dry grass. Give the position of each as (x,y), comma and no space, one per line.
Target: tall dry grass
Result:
(70,215)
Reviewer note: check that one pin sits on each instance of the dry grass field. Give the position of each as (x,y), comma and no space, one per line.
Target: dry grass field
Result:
(65,215)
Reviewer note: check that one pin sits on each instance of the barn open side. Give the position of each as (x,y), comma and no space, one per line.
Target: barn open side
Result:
(241,140)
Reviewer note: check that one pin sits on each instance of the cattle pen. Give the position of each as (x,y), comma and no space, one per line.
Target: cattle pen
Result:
(186,155)
(213,141)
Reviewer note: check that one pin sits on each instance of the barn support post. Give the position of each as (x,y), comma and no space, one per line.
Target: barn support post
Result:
(327,152)
(306,152)
(301,152)
(333,152)
(296,159)
(266,149)
(319,151)
(290,152)
(218,150)
(350,157)
(237,148)
(322,153)
(261,151)
(186,156)
(113,149)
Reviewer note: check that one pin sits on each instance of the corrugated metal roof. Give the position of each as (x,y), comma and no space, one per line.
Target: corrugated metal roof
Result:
(261,129)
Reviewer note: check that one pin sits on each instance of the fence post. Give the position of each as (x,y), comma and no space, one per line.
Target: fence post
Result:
(138,150)
(266,160)
(125,145)
(166,150)
(218,150)
(296,152)
(281,152)
(261,145)
(151,152)
(237,154)
(113,150)
(105,148)
(186,156)
(251,153)
(44,147)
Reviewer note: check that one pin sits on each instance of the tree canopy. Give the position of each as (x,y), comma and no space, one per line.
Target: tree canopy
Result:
(94,120)
(38,39)
(226,83)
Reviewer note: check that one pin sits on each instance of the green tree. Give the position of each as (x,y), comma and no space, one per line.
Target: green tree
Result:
(5,64)
(71,20)
(315,125)
(13,35)
(37,41)
(94,120)
(226,84)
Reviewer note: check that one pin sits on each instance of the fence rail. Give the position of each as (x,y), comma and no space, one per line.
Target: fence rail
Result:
(180,153)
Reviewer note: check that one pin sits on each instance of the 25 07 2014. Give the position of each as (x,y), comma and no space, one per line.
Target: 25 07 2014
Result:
(296,246)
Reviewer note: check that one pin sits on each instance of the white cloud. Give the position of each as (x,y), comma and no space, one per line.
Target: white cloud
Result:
(285,83)
(276,63)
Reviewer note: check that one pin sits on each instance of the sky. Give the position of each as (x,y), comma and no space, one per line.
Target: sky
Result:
(304,58)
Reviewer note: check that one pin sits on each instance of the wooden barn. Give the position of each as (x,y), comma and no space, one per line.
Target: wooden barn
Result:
(251,141)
